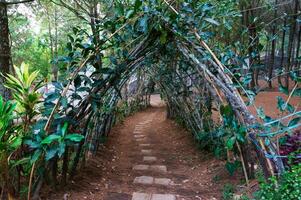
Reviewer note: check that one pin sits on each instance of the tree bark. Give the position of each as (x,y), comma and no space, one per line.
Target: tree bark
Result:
(282,50)
(272,62)
(5,55)
(298,50)
(290,49)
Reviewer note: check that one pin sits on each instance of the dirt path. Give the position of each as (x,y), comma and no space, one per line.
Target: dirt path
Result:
(149,158)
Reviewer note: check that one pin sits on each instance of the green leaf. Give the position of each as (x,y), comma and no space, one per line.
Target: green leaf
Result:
(77,82)
(64,102)
(267,141)
(260,113)
(290,108)
(241,134)
(119,9)
(64,129)
(226,110)
(232,167)
(297,92)
(129,14)
(36,155)
(21,162)
(163,37)
(16,142)
(49,139)
(74,137)
(281,103)
(50,153)
(32,144)
(212,21)
(138,4)
(283,89)
(61,149)
(230,143)
(294,122)
(143,24)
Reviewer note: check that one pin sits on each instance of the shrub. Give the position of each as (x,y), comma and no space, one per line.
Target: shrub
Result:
(288,186)
(228,192)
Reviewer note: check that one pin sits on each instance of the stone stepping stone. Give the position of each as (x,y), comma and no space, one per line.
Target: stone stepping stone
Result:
(147,180)
(139,136)
(141,167)
(145,122)
(144,145)
(140,139)
(146,151)
(141,196)
(158,168)
(163,197)
(155,168)
(149,158)
(138,131)
(145,196)
(163,181)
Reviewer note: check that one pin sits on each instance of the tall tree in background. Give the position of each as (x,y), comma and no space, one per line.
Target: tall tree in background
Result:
(5,55)
(249,17)
(272,54)
(51,12)
(90,12)
(291,42)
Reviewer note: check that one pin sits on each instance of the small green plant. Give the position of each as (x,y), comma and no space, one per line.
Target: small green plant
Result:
(216,178)
(228,192)
(24,87)
(286,188)
(10,141)
(54,144)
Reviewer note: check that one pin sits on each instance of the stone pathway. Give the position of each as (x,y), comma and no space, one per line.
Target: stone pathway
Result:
(147,151)
(148,157)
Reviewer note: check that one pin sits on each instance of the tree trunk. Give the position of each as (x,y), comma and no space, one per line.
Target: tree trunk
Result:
(290,49)
(5,56)
(55,55)
(282,50)
(252,46)
(272,61)
(94,21)
(65,166)
(298,50)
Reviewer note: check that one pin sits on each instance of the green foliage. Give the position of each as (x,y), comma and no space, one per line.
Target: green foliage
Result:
(54,144)
(24,87)
(232,167)
(228,192)
(287,187)
(143,31)
(10,140)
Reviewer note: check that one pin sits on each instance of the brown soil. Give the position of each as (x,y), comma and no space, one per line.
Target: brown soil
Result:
(109,175)
(267,99)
